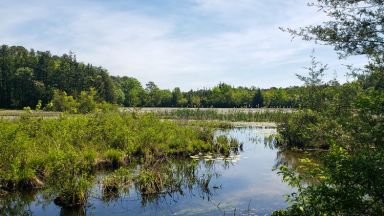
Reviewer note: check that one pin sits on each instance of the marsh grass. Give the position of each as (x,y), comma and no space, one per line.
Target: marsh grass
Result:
(171,176)
(228,115)
(16,114)
(63,154)
(217,124)
(117,182)
(224,145)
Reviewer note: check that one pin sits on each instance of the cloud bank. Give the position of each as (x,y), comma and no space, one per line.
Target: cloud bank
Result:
(188,43)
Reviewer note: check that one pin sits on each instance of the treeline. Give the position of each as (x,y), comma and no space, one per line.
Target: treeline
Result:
(27,76)
(132,94)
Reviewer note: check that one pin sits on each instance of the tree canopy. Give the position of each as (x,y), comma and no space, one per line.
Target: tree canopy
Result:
(29,76)
(350,123)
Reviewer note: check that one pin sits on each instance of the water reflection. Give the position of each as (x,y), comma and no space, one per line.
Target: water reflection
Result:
(16,204)
(171,179)
(289,158)
(73,211)
(201,186)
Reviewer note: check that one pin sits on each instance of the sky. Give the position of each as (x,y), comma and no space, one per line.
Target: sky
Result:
(192,44)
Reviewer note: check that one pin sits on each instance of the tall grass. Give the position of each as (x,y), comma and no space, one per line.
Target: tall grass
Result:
(63,153)
(230,115)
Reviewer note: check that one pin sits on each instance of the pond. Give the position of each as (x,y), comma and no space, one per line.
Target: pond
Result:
(244,185)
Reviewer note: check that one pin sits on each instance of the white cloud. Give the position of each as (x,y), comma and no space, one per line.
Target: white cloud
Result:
(247,49)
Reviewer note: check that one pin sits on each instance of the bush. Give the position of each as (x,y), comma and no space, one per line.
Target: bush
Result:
(85,102)
(308,129)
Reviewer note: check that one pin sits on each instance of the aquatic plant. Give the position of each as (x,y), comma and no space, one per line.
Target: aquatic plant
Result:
(224,145)
(64,153)
(112,185)
(229,115)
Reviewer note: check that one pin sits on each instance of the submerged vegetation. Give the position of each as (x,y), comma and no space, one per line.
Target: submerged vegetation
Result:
(63,154)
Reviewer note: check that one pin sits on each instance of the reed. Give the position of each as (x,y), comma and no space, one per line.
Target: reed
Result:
(229,115)
(64,153)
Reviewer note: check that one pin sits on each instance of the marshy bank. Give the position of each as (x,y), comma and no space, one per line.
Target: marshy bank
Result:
(221,114)
(64,153)
(205,114)
(172,169)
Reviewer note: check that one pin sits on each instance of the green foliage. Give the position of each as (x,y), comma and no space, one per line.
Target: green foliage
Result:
(64,152)
(153,95)
(29,76)
(165,176)
(131,89)
(87,101)
(313,96)
(222,95)
(354,27)
(308,129)
(69,177)
(224,145)
(345,184)
(119,180)
(258,99)
(63,103)
(114,157)
(350,120)
(178,99)
(84,103)
(39,105)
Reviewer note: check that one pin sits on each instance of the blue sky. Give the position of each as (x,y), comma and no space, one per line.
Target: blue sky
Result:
(186,43)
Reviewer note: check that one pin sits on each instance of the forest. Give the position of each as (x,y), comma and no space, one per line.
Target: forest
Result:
(27,76)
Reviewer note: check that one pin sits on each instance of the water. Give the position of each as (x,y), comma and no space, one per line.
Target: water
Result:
(244,186)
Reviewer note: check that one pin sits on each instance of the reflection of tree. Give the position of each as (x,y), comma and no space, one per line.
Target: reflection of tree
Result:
(20,204)
(270,141)
(289,158)
(158,182)
(172,178)
(110,195)
(293,158)
(81,211)
(294,161)
(16,204)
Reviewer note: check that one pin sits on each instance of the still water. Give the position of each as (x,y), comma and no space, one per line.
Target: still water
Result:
(245,185)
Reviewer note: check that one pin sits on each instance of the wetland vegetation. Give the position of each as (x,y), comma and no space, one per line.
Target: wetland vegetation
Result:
(65,152)
(346,120)
(231,115)
(80,150)
(165,185)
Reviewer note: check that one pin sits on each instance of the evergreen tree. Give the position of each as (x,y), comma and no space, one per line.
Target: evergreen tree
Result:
(258,99)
